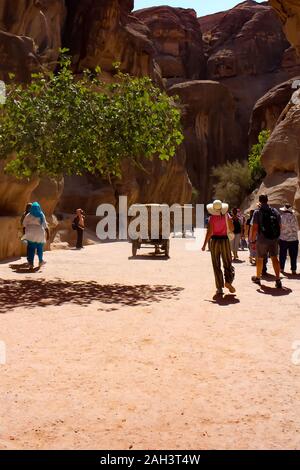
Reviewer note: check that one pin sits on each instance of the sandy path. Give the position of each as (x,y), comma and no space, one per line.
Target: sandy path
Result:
(100,363)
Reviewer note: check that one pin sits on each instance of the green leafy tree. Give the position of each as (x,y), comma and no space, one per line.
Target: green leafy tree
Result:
(257,171)
(62,124)
(232,182)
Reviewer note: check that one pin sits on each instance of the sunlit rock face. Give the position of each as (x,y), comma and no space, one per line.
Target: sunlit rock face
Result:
(289,13)
(279,111)
(248,52)
(177,39)
(103,33)
(281,156)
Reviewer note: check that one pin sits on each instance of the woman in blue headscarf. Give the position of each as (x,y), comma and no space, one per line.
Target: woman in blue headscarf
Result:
(36,233)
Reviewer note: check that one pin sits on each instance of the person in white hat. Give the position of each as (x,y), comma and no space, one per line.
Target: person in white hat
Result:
(220,227)
(289,238)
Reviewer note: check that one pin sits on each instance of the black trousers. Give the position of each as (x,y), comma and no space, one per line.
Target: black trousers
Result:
(291,248)
(79,237)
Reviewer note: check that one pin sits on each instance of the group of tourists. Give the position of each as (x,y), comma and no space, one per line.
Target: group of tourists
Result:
(36,232)
(271,234)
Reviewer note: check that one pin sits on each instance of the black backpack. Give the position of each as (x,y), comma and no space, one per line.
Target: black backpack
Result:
(269,223)
(237,228)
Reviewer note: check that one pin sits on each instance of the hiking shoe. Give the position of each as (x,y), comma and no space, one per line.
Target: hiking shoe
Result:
(256,280)
(230,287)
(278,284)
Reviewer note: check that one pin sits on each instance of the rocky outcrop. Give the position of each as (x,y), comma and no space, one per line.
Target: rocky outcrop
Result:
(30,36)
(289,13)
(14,196)
(277,111)
(177,38)
(102,33)
(249,53)
(282,151)
(209,129)
(280,110)
(269,108)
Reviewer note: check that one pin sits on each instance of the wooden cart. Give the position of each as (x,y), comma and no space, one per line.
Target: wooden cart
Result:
(161,242)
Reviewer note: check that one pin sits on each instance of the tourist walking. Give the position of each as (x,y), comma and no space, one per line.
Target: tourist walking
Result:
(251,245)
(289,238)
(27,210)
(266,232)
(36,233)
(219,225)
(237,231)
(78,225)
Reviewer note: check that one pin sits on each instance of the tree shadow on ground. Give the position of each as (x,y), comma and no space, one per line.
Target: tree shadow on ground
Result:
(30,293)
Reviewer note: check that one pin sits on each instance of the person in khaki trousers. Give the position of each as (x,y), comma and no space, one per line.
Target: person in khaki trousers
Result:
(219,226)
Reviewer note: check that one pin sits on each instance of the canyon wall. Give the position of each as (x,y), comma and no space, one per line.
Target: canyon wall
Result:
(223,67)
(247,51)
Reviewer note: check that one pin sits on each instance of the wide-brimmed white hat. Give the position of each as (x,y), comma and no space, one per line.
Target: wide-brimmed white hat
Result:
(217,208)
(287,208)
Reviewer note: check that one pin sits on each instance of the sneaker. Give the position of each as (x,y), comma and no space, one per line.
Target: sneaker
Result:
(256,280)
(230,287)
(42,263)
(219,292)
(30,267)
(278,284)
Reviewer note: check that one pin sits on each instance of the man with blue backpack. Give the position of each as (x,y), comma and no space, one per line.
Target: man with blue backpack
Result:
(266,226)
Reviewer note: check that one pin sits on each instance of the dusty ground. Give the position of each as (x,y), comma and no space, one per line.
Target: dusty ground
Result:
(108,352)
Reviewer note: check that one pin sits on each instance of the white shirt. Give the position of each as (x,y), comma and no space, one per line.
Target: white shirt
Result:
(34,229)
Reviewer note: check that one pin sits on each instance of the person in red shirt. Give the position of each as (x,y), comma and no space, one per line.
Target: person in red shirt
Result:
(220,225)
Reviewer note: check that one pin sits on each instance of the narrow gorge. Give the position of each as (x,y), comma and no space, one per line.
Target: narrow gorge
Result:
(233,72)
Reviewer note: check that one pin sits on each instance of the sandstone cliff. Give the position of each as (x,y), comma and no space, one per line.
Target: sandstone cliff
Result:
(177,40)
(30,35)
(281,156)
(248,52)
(209,129)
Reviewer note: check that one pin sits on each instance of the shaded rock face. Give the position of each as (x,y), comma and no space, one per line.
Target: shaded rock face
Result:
(177,37)
(102,33)
(209,128)
(248,52)
(162,182)
(30,35)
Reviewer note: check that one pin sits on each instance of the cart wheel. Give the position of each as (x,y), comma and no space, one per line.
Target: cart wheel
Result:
(134,248)
(167,249)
